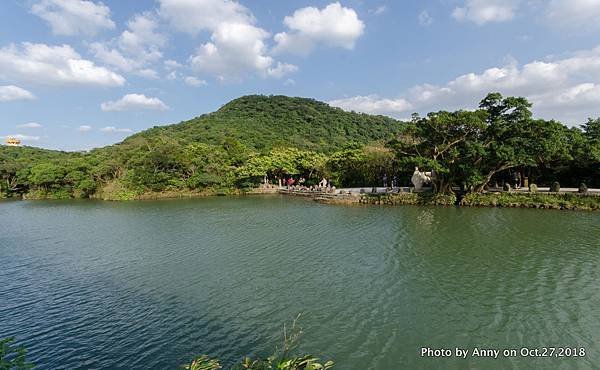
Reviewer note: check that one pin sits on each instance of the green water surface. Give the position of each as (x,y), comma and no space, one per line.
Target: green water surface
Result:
(149,285)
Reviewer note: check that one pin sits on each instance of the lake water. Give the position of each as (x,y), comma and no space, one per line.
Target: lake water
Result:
(149,285)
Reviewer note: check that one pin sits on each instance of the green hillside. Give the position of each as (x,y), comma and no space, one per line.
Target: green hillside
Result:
(263,122)
(229,149)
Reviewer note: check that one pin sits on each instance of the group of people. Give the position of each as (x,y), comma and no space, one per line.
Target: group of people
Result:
(311,188)
(418,179)
(291,183)
(323,185)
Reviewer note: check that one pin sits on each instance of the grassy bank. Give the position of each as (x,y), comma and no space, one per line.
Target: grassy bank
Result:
(567,201)
(408,199)
(115,191)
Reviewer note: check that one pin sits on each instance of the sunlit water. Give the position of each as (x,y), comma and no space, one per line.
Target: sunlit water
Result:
(149,285)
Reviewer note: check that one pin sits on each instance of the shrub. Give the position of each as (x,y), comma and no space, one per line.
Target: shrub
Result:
(555,187)
(533,200)
(13,357)
(533,188)
(247,185)
(583,189)
(284,360)
(117,190)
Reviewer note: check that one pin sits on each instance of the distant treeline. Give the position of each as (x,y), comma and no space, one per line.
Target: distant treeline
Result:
(253,136)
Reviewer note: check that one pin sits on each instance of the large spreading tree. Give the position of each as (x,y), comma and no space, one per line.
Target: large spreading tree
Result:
(467,148)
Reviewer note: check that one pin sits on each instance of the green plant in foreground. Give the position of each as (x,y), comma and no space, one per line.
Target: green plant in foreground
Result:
(281,360)
(203,363)
(12,357)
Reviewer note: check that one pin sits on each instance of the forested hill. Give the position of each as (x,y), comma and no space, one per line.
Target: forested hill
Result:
(263,122)
(228,149)
(235,147)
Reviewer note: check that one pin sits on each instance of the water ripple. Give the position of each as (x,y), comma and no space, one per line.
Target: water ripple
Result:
(151,284)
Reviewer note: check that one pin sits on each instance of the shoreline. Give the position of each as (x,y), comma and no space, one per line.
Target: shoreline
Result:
(557,201)
(537,200)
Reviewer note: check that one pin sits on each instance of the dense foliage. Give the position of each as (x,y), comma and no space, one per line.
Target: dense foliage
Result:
(283,358)
(571,201)
(235,147)
(469,149)
(264,122)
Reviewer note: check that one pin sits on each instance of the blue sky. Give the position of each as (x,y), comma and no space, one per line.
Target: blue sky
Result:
(78,74)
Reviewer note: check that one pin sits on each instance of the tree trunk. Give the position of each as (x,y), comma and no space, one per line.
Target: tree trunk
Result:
(479,188)
(442,187)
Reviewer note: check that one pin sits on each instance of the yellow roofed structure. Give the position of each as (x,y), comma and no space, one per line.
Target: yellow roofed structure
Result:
(12,141)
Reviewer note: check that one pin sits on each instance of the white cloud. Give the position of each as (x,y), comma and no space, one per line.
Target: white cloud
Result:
(281,69)
(136,48)
(142,38)
(84,128)
(425,19)
(484,11)
(30,125)
(235,50)
(576,15)
(53,65)
(237,46)
(566,89)
(571,104)
(333,26)
(194,81)
(112,57)
(12,92)
(234,47)
(193,16)
(134,102)
(289,82)
(372,104)
(580,95)
(73,17)
(147,73)
(378,10)
(172,64)
(112,129)
(22,137)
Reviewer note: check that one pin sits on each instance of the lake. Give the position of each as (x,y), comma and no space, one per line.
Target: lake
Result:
(151,284)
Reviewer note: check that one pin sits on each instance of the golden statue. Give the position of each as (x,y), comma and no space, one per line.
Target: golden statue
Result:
(12,141)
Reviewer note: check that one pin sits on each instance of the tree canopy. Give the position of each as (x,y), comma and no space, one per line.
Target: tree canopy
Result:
(467,148)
